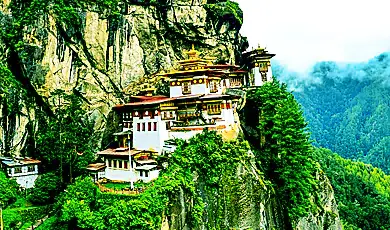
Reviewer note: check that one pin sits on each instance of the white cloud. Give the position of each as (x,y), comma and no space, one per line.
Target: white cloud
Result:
(302,32)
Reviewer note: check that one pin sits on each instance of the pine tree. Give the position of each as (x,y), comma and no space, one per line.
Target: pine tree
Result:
(285,151)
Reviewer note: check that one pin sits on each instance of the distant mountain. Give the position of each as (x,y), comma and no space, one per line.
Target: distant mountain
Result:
(347,107)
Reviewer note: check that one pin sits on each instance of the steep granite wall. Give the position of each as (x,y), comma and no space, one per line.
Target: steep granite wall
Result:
(255,206)
(113,52)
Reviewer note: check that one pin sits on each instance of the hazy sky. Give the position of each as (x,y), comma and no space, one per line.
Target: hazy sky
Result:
(302,32)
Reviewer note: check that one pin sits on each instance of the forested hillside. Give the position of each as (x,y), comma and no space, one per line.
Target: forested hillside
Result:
(362,191)
(348,107)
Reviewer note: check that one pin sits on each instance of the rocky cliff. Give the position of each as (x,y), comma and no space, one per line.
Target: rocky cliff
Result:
(253,205)
(103,57)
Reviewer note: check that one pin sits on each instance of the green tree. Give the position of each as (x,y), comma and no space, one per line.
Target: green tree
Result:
(64,142)
(46,188)
(8,190)
(285,152)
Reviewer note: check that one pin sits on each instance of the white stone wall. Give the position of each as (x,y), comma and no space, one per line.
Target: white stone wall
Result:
(149,140)
(199,89)
(175,91)
(27,181)
(269,74)
(151,176)
(120,175)
(185,135)
(257,75)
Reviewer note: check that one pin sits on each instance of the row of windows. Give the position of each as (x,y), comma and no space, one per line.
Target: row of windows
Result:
(120,164)
(30,168)
(128,116)
(186,87)
(168,115)
(143,173)
(141,127)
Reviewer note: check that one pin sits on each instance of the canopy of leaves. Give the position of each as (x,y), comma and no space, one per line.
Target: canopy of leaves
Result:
(348,108)
(362,191)
(8,190)
(285,153)
(205,162)
(64,142)
(46,188)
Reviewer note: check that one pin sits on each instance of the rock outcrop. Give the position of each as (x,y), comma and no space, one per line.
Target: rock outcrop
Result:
(114,52)
(255,206)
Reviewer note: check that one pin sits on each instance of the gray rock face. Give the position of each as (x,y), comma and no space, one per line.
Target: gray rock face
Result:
(251,205)
(112,54)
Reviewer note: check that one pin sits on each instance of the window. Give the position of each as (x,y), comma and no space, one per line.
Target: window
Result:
(168,125)
(120,164)
(146,173)
(155,126)
(228,105)
(264,77)
(18,170)
(141,114)
(186,87)
(109,163)
(213,87)
(143,126)
(138,127)
(149,126)
(31,168)
(125,165)
(214,109)
(141,173)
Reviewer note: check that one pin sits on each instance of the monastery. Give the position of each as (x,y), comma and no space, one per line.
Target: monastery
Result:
(199,99)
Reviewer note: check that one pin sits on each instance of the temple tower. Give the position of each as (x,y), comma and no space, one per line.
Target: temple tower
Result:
(259,62)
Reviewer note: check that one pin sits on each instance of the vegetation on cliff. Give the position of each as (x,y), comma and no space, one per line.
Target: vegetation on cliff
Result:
(362,191)
(204,179)
(64,143)
(284,151)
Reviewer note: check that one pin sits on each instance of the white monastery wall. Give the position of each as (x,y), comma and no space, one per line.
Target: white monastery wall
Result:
(144,139)
(185,135)
(151,176)
(257,75)
(198,89)
(118,174)
(175,91)
(269,74)
(27,181)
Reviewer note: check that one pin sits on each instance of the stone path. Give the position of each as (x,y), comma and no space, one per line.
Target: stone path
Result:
(39,222)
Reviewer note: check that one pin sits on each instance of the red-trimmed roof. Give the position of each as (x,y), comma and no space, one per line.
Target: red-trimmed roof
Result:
(147,98)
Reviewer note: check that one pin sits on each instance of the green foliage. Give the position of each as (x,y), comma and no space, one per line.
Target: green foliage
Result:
(69,134)
(362,191)
(8,190)
(21,215)
(206,157)
(46,188)
(285,152)
(162,88)
(347,107)
(226,10)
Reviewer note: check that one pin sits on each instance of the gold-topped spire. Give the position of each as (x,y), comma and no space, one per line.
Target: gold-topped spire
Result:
(193,54)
